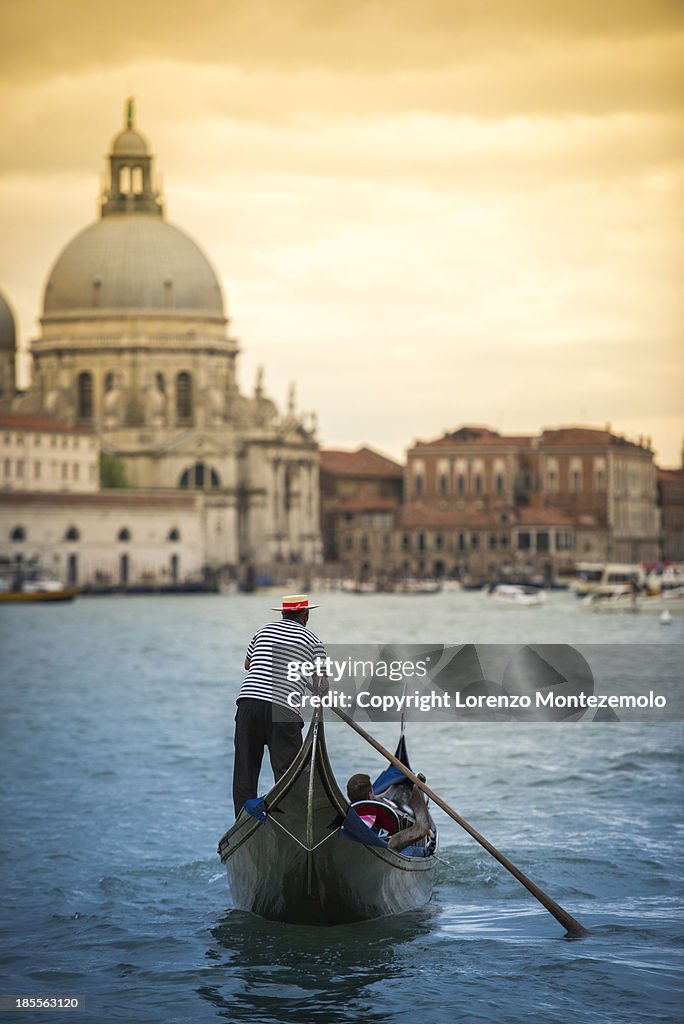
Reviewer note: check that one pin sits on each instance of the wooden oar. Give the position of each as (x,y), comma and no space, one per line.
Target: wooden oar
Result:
(573,927)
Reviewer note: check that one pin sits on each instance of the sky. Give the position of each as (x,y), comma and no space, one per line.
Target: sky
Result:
(424,212)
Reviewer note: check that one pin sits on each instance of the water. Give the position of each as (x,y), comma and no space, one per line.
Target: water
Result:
(117,717)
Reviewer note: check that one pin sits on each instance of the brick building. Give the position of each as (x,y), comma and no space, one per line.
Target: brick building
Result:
(479,504)
(671,504)
(360,498)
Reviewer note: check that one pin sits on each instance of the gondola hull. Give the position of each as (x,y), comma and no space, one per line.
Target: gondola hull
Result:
(299,865)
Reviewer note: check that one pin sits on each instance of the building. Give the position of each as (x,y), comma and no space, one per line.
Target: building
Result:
(38,453)
(671,507)
(361,494)
(479,504)
(135,347)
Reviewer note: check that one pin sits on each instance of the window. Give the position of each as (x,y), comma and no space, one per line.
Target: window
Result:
(499,483)
(124,534)
(8,467)
(72,569)
(65,471)
(84,397)
(137,181)
(200,477)
(20,468)
(364,542)
(75,471)
(478,483)
(462,544)
(575,481)
(348,542)
(184,398)
(523,541)
(406,541)
(439,542)
(421,541)
(72,533)
(542,540)
(461,483)
(475,541)
(125,180)
(443,484)
(174,534)
(503,540)
(173,568)
(418,485)
(386,542)
(18,533)
(36,470)
(565,540)
(492,541)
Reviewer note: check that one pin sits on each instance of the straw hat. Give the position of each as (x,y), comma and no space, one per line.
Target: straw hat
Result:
(295,603)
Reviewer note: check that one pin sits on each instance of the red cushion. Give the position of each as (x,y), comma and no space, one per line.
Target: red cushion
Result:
(378,816)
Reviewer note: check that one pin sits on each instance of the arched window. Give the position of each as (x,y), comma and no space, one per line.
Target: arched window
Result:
(125,180)
(18,533)
(124,533)
(72,533)
(184,398)
(174,534)
(200,477)
(84,387)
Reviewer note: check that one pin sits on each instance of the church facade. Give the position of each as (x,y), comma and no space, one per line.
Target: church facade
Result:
(135,346)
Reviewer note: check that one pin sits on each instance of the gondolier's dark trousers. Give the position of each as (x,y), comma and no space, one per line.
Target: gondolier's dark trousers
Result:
(254,730)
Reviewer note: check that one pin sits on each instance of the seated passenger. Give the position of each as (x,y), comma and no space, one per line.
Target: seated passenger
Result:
(400,833)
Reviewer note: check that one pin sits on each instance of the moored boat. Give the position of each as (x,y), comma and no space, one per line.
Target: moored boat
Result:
(34,585)
(301,854)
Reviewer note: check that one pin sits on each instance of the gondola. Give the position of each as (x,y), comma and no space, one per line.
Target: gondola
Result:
(302,855)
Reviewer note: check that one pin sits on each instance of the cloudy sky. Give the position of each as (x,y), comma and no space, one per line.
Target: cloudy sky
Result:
(426,212)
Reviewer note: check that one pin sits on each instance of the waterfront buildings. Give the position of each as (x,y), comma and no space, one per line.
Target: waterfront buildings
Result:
(477,504)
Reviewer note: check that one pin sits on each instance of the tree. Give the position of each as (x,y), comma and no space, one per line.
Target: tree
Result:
(112,471)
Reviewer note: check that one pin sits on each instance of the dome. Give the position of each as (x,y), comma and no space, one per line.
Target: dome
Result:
(127,264)
(8,332)
(129,143)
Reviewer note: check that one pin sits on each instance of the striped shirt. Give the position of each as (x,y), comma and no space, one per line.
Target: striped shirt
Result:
(274,653)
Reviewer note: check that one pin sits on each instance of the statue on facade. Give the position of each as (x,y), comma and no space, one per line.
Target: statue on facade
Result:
(113,401)
(155,401)
(59,401)
(215,405)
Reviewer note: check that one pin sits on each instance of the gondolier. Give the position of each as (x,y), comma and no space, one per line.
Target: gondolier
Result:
(265,714)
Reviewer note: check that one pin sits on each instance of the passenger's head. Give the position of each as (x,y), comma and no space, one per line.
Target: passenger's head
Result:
(359,788)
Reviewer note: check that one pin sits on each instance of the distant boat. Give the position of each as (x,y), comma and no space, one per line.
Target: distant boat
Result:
(631,601)
(23,585)
(514,594)
(415,586)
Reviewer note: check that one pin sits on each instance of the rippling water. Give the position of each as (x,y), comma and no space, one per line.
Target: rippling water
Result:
(117,718)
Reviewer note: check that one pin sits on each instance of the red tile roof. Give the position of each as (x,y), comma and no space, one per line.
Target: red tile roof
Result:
(37,423)
(363,462)
(591,436)
(480,436)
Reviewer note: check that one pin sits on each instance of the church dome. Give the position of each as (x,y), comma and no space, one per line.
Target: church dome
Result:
(129,143)
(132,263)
(8,331)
